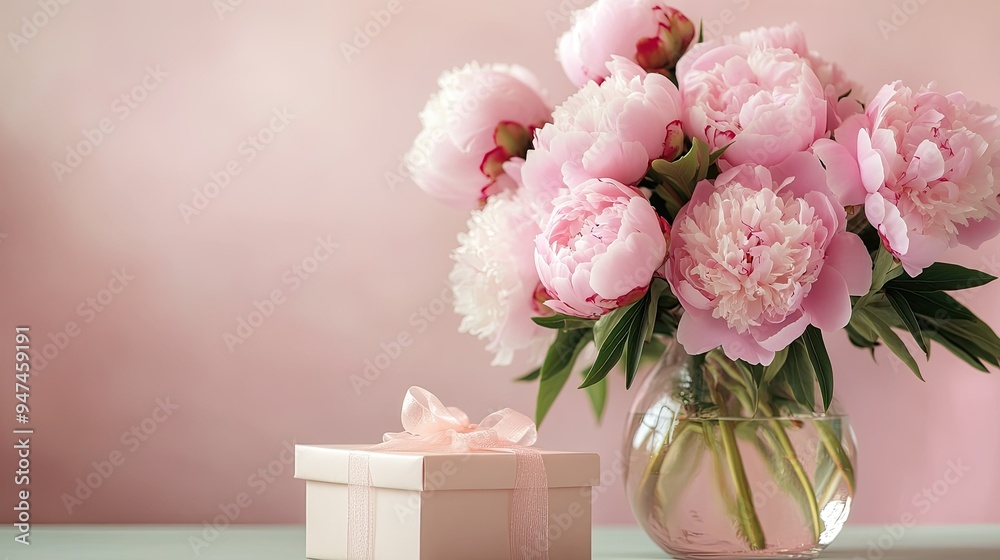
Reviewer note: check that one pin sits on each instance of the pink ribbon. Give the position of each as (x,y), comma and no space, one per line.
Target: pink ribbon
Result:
(430,426)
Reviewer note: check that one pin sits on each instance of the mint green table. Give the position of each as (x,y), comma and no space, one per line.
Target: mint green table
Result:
(248,542)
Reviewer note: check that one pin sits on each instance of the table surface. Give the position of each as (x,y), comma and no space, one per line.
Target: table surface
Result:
(250,542)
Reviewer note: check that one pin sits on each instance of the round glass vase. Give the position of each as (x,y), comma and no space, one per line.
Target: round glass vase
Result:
(724,465)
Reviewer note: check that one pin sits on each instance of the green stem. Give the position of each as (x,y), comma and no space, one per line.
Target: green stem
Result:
(837,453)
(737,378)
(653,469)
(733,386)
(793,461)
(656,460)
(786,447)
(720,472)
(747,513)
(728,367)
(667,477)
(769,450)
(830,490)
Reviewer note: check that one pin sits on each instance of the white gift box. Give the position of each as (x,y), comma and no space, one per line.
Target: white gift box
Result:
(442,506)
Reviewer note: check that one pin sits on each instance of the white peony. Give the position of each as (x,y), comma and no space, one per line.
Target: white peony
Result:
(495,282)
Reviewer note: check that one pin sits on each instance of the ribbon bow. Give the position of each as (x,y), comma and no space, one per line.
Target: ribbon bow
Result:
(430,426)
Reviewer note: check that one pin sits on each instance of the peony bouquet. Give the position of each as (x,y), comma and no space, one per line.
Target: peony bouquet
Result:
(739,196)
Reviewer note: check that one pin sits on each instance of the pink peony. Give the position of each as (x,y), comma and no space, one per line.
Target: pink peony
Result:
(759,256)
(835,83)
(494,278)
(600,249)
(925,165)
(481,117)
(647,32)
(612,130)
(766,101)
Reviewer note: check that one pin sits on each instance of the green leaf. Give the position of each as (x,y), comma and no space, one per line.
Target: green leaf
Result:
(704,159)
(798,373)
(943,277)
(531,375)
(605,361)
(598,394)
(909,319)
(772,370)
(978,336)
(885,268)
(635,340)
(684,173)
(937,306)
(656,289)
(560,321)
(610,335)
(955,348)
(653,350)
(672,202)
(604,327)
(563,352)
(820,360)
(714,156)
(667,299)
(886,313)
(556,368)
(892,340)
(856,338)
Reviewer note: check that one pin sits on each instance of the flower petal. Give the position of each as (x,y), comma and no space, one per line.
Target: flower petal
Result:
(890,225)
(612,158)
(927,162)
(776,336)
(744,347)
(843,173)
(870,163)
(849,256)
(977,232)
(828,304)
(924,250)
(698,332)
(620,270)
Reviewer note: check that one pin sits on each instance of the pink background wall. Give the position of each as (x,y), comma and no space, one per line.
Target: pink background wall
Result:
(326,174)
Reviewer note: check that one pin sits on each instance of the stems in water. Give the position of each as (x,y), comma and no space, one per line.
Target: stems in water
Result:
(746,512)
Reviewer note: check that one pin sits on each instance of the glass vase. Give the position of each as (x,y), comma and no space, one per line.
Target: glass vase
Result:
(723,465)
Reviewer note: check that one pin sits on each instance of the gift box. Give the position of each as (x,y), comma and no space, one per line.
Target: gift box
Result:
(443,492)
